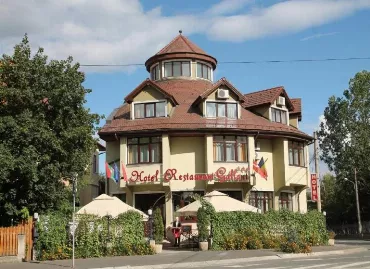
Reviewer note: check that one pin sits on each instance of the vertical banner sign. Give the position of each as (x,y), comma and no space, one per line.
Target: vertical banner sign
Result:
(313,187)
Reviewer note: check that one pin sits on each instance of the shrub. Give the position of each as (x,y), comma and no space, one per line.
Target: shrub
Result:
(270,242)
(158,226)
(125,235)
(203,222)
(310,226)
(254,243)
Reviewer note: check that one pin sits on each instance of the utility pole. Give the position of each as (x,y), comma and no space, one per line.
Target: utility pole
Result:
(316,150)
(74,181)
(358,206)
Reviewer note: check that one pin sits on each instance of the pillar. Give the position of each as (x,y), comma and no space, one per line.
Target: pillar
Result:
(21,253)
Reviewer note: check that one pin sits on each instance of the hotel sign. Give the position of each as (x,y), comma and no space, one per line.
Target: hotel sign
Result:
(221,175)
(313,187)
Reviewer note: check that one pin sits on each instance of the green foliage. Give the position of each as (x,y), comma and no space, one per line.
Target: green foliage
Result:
(24,214)
(205,216)
(158,227)
(45,130)
(125,236)
(266,229)
(345,144)
(53,237)
(293,242)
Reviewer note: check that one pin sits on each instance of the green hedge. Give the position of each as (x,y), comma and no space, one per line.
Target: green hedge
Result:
(310,226)
(125,237)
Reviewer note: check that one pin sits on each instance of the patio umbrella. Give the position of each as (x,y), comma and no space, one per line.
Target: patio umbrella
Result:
(220,201)
(104,205)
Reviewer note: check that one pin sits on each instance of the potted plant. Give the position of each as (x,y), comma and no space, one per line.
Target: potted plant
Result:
(202,228)
(331,238)
(158,228)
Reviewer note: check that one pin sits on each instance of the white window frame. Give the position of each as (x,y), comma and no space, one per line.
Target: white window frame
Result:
(196,70)
(151,101)
(159,70)
(177,60)
(279,108)
(218,101)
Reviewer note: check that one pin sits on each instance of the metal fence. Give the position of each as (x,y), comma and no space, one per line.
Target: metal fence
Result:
(350,229)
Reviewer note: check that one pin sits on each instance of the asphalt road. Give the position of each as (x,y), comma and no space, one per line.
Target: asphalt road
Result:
(353,261)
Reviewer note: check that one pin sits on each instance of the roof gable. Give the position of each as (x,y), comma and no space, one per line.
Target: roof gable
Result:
(130,97)
(267,97)
(221,82)
(181,44)
(297,102)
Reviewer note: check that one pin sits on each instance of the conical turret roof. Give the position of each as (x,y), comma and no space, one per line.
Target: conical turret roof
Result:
(181,48)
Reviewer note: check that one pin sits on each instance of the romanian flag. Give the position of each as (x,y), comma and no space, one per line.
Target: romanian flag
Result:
(109,171)
(260,168)
(123,172)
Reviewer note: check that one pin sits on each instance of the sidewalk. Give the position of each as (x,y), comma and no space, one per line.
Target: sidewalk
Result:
(173,259)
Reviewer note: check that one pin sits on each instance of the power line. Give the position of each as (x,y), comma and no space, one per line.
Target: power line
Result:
(246,62)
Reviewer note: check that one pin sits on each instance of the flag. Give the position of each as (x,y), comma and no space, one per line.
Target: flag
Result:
(260,168)
(108,170)
(123,172)
(263,171)
(116,172)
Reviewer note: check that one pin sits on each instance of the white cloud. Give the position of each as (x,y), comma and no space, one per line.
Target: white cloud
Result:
(318,36)
(227,7)
(283,18)
(122,32)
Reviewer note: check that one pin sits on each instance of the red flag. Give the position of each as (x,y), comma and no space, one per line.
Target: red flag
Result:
(123,172)
(256,168)
(108,171)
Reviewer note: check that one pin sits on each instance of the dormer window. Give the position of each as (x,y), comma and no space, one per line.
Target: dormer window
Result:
(155,72)
(177,69)
(278,115)
(150,110)
(204,71)
(221,110)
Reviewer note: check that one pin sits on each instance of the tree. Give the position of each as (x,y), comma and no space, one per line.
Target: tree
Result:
(45,130)
(158,226)
(345,142)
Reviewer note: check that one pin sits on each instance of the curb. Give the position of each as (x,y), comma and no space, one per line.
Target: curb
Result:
(240,260)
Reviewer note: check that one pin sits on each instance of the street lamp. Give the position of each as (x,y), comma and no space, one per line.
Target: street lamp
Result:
(357,202)
(74,180)
(150,212)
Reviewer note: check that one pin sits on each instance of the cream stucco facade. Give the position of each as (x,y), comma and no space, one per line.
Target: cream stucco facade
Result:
(205,140)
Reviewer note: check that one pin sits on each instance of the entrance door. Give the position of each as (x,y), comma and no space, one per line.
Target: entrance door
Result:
(144,201)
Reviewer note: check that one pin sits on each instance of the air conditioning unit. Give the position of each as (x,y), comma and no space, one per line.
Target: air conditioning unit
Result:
(281,101)
(222,94)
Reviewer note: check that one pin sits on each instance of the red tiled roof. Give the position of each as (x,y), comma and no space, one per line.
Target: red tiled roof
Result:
(181,44)
(187,117)
(129,98)
(267,96)
(180,48)
(297,103)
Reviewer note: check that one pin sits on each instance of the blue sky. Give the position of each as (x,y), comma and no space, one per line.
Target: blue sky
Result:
(130,31)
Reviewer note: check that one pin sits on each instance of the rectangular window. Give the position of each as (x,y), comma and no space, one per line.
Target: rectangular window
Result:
(216,109)
(203,71)
(155,72)
(229,149)
(177,69)
(168,69)
(278,115)
(261,200)
(150,110)
(296,153)
(286,201)
(144,150)
(95,163)
(211,110)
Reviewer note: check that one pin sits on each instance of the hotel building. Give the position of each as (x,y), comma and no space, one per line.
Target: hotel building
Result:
(179,132)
